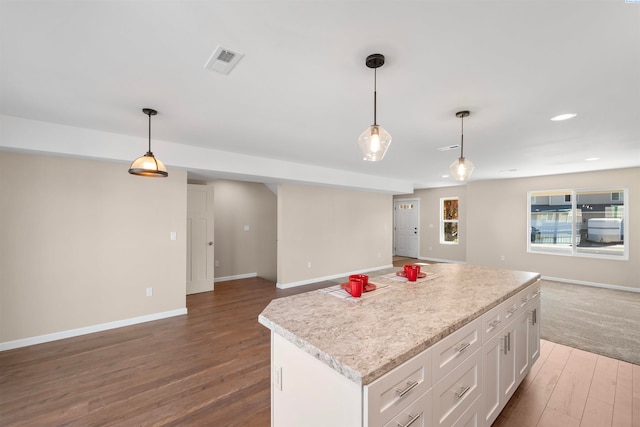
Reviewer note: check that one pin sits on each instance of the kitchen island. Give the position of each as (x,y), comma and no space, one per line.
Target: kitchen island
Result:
(426,353)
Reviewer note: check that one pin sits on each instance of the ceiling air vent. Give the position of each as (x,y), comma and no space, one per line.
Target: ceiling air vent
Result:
(449,147)
(223,60)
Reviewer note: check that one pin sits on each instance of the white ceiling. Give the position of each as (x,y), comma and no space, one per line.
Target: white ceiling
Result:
(303,94)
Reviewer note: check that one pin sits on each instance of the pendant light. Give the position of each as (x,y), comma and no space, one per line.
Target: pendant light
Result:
(461,169)
(148,165)
(374,142)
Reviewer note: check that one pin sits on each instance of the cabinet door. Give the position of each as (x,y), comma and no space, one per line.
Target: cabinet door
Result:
(520,342)
(492,353)
(534,332)
(508,370)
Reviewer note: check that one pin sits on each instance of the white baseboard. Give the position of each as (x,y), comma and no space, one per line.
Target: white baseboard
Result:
(236,277)
(447,261)
(592,284)
(89,329)
(333,276)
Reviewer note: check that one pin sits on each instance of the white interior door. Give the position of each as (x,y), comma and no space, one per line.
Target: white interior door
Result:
(200,249)
(406,233)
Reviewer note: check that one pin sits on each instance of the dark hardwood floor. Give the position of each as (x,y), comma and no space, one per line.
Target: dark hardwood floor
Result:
(210,367)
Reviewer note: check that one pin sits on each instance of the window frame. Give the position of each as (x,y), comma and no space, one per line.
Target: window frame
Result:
(573,249)
(444,221)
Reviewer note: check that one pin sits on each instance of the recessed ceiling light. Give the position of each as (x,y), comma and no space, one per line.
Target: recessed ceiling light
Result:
(562,117)
(445,176)
(591,159)
(449,147)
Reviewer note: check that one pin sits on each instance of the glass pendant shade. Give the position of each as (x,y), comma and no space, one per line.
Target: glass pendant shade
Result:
(461,169)
(148,165)
(374,143)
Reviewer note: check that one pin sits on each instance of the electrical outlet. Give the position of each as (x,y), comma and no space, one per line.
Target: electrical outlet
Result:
(217,263)
(501,257)
(309,264)
(149,292)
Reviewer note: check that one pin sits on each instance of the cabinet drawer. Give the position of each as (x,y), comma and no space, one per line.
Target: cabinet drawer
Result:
(512,308)
(387,396)
(528,295)
(418,414)
(470,417)
(493,321)
(453,349)
(457,391)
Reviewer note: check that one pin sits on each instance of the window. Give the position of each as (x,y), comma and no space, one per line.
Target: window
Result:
(449,220)
(586,222)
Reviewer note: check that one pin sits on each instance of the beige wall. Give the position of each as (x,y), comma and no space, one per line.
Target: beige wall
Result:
(497,226)
(81,240)
(430,246)
(337,231)
(237,251)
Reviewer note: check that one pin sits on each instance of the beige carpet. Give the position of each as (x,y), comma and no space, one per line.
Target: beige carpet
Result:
(601,321)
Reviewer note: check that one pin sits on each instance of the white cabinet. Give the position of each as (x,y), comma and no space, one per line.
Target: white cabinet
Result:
(471,417)
(499,377)
(464,380)
(510,350)
(508,369)
(534,331)
(418,414)
(453,349)
(521,344)
(455,393)
(396,390)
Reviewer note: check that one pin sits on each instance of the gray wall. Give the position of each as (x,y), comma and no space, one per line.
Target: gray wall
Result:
(337,231)
(236,205)
(81,240)
(497,224)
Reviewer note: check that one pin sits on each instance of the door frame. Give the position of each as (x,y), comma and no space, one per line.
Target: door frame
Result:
(416,201)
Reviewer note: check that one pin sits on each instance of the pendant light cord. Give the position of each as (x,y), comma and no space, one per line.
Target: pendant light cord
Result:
(375,95)
(149,132)
(462,138)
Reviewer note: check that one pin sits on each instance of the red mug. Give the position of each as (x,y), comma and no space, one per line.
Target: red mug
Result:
(412,272)
(355,287)
(363,277)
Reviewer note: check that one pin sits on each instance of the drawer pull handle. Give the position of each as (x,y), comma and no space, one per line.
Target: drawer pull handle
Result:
(534,316)
(412,419)
(505,345)
(494,323)
(463,391)
(462,347)
(509,341)
(410,386)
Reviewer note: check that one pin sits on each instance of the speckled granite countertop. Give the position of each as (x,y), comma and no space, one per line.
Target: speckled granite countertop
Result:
(366,338)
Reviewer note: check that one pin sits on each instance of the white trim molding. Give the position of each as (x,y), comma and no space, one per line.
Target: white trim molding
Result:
(592,284)
(236,277)
(332,277)
(9,345)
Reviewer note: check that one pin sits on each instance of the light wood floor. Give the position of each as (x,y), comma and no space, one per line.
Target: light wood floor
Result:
(568,387)
(211,367)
